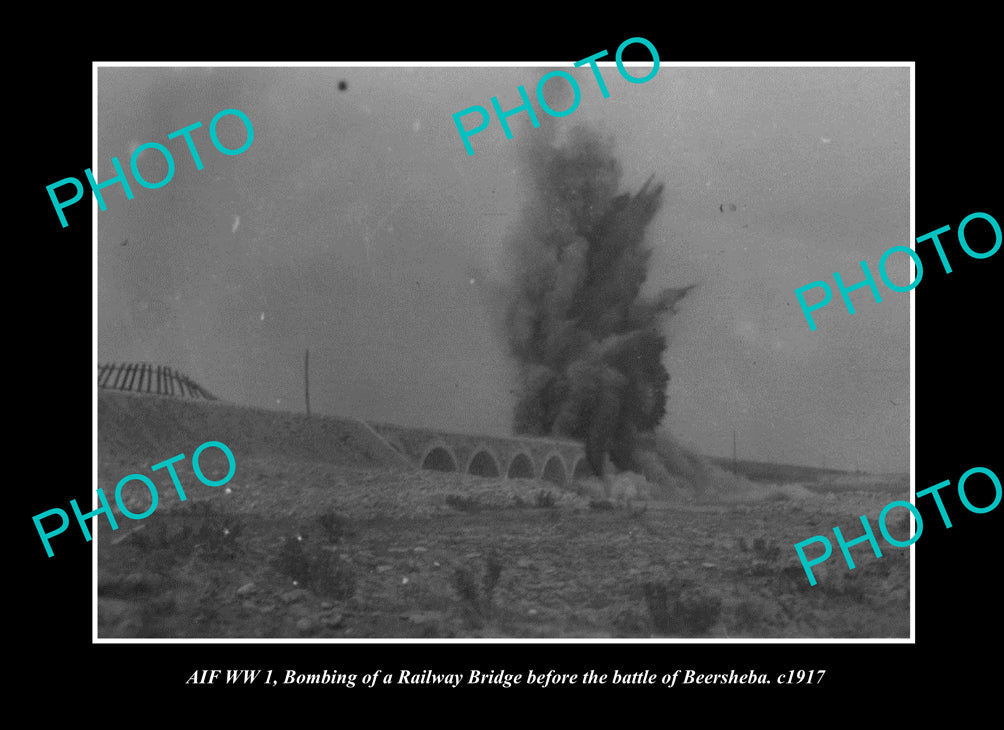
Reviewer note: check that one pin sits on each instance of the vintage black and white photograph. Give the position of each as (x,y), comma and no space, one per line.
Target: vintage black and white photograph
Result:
(454,352)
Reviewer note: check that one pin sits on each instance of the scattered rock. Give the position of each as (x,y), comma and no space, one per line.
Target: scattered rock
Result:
(297,594)
(305,625)
(246,589)
(382,568)
(421,617)
(333,620)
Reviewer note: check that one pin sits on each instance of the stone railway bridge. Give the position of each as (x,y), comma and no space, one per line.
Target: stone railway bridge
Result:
(515,457)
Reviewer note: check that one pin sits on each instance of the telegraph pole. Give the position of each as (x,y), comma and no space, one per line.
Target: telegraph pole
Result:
(306,378)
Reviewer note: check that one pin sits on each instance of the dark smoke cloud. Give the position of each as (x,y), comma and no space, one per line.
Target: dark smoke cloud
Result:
(589,346)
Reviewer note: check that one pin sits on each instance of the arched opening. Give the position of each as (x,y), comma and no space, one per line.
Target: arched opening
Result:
(483,465)
(439,459)
(554,471)
(520,467)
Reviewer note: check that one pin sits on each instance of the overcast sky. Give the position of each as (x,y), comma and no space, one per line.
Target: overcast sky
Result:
(357,225)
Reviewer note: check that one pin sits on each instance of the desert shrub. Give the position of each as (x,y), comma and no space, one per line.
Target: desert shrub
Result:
(629,621)
(434,630)
(334,526)
(477,604)
(330,577)
(493,571)
(764,555)
(698,613)
(747,616)
(845,585)
(656,600)
(637,511)
(545,499)
(465,585)
(212,531)
(292,560)
(766,550)
(792,579)
(673,612)
(318,570)
(466,588)
(462,503)
(199,528)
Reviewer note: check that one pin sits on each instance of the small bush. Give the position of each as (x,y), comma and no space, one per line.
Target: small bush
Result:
(334,526)
(214,532)
(545,499)
(765,554)
(462,503)
(690,614)
(465,585)
(658,606)
(292,560)
(748,616)
(197,528)
(330,577)
(698,613)
(477,605)
(792,579)
(766,550)
(493,571)
(317,570)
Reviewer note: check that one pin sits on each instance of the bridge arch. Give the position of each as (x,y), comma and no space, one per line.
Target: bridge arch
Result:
(439,457)
(521,467)
(554,469)
(483,462)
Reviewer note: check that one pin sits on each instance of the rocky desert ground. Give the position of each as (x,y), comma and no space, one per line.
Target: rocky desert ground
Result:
(315,538)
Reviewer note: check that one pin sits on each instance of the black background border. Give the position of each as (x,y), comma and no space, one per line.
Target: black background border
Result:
(958,155)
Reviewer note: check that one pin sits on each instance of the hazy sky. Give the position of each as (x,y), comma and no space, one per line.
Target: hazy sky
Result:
(357,225)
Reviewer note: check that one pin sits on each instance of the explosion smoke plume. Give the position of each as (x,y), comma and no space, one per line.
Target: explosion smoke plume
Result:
(588,344)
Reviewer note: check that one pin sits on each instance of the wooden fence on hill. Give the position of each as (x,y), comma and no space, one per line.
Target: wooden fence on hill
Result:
(146,378)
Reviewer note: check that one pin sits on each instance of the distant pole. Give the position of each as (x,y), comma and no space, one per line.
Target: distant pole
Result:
(735,464)
(306,378)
